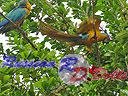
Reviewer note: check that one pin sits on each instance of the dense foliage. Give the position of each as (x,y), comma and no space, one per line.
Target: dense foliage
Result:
(45,81)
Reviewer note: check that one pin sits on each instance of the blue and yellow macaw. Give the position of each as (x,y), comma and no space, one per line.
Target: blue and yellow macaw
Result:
(85,35)
(17,15)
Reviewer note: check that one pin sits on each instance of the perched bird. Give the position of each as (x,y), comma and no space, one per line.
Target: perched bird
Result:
(86,30)
(90,32)
(17,15)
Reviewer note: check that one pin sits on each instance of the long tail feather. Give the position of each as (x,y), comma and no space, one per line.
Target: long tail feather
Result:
(55,34)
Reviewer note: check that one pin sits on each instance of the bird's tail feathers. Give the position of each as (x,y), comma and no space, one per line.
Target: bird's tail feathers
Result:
(47,29)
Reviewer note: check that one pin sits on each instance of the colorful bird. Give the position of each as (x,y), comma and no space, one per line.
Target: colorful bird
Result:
(86,29)
(17,15)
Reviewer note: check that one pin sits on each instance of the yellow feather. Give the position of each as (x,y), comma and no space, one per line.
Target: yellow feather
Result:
(28,9)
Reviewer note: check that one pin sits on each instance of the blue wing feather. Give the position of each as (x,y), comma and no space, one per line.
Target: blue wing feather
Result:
(15,15)
(4,22)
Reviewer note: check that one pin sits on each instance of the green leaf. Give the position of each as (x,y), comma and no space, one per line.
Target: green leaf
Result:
(6,78)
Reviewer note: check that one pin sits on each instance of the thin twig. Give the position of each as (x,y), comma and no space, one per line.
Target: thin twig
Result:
(88,9)
(60,15)
(50,5)
(20,30)
(124,9)
(95,35)
(57,89)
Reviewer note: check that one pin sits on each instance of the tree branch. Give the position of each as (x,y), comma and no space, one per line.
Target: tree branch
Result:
(21,31)
(95,35)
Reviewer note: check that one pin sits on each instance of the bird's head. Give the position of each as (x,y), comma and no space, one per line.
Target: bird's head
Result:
(25,4)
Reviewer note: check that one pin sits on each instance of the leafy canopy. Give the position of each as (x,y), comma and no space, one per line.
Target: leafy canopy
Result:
(33,82)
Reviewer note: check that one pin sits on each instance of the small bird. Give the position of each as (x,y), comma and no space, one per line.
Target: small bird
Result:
(17,15)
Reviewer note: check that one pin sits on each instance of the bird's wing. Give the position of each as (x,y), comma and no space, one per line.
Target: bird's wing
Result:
(15,15)
(4,22)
